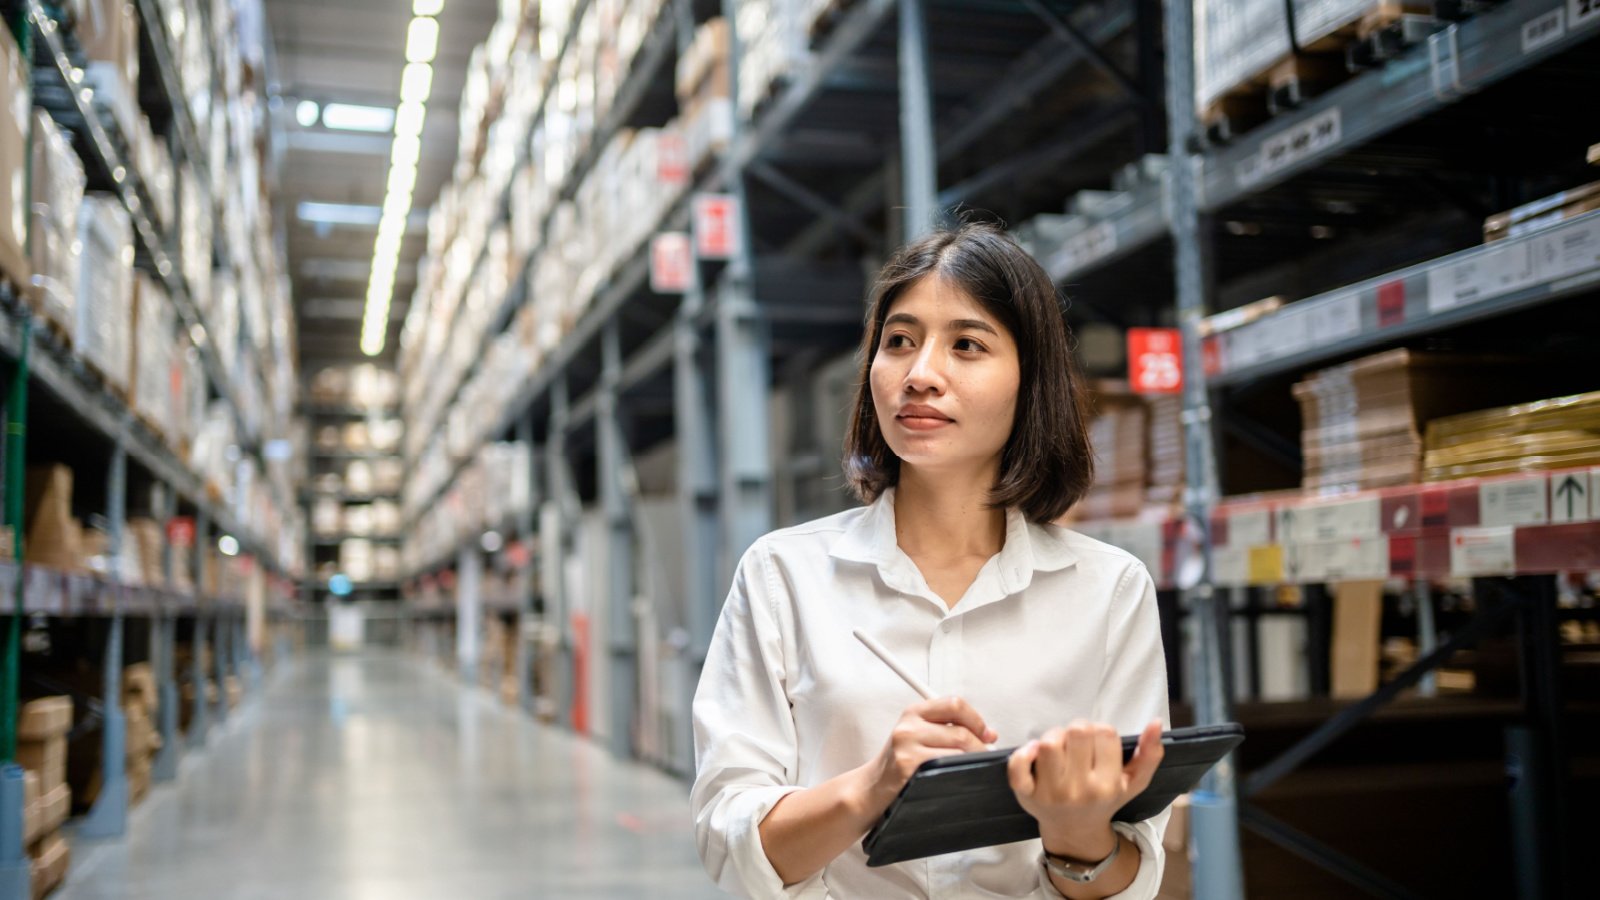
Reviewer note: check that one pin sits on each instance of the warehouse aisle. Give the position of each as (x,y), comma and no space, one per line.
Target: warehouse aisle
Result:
(376,777)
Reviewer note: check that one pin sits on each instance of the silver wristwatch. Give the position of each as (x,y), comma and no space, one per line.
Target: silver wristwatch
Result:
(1078,872)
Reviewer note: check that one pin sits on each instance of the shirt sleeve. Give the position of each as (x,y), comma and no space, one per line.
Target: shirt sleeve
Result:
(1133,691)
(746,753)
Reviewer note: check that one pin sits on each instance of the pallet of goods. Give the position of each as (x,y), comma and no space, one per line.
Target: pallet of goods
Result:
(57,192)
(1559,433)
(139,708)
(13,148)
(42,727)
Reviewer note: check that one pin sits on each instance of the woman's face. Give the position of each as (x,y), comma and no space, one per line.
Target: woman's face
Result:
(945,379)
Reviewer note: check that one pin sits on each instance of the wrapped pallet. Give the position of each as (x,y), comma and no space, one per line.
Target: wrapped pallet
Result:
(108,32)
(1236,43)
(58,181)
(150,370)
(105,287)
(13,150)
(1559,433)
(1327,25)
(42,727)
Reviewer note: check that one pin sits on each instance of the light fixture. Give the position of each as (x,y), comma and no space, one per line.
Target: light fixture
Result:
(314,213)
(408,120)
(491,542)
(416,82)
(355,117)
(306,113)
(228,545)
(422,40)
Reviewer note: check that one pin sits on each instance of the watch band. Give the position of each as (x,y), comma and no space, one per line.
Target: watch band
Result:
(1076,871)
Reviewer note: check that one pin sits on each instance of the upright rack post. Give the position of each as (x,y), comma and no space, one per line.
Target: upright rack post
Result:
(621,632)
(109,815)
(1218,871)
(918,169)
(16,870)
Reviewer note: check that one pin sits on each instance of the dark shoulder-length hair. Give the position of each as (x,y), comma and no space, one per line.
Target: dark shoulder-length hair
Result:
(1047,465)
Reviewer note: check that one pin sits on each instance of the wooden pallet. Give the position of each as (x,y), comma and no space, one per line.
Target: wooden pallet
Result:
(1283,86)
(1378,16)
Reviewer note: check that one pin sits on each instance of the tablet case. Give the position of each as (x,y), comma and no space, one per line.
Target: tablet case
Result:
(960,802)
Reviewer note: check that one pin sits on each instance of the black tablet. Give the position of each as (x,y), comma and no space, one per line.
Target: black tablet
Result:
(960,802)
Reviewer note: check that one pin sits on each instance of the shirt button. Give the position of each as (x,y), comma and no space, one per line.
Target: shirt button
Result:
(947,626)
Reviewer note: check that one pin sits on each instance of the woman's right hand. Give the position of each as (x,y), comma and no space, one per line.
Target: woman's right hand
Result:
(926,730)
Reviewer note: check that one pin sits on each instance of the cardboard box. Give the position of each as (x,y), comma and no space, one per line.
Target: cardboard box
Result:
(57,195)
(54,807)
(139,687)
(1357,615)
(51,857)
(105,287)
(108,32)
(1236,43)
(48,758)
(52,535)
(14,84)
(45,718)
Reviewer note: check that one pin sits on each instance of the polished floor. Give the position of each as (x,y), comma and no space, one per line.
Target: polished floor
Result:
(377,777)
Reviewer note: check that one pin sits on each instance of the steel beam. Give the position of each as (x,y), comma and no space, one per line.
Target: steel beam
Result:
(809,200)
(621,637)
(1069,33)
(919,164)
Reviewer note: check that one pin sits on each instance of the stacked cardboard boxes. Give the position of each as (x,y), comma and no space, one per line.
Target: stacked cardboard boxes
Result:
(1543,213)
(1118,433)
(1236,43)
(140,704)
(42,727)
(1166,448)
(151,359)
(704,95)
(773,46)
(58,181)
(108,32)
(1363,420)
(53,537)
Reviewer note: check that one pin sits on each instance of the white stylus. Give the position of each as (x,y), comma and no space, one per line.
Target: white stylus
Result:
(878,650)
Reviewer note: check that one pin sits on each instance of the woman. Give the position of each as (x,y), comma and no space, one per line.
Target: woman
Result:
(968,438)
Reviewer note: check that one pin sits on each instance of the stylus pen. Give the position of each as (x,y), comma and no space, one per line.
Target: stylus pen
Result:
(894,665)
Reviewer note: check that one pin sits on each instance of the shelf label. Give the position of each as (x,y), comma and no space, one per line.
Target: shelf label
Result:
(1521,501)
(1155,360)
(1280,151)
(1352,559)
(716,226)
(1571,497)
(1330,521)
(1483,551)
(1391,303)
(1541,30)
(1230,566)
(1249,529)
(670,263)
(1266,564)
(1571,249)
(1336,317)
(1482,275)
(1583,12)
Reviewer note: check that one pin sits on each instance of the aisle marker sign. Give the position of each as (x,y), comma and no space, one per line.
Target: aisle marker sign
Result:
(716,226)
(1570,497)
(1155,360)
(670,263)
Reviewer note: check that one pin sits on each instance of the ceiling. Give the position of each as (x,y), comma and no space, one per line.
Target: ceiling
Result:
(353,51)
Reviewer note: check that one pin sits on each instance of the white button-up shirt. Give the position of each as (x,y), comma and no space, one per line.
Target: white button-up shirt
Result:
(1056,627)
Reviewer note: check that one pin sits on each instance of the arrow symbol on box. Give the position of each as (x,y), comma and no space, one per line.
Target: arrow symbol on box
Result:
(1573,490)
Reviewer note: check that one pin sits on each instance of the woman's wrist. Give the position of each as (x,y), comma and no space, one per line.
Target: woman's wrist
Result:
(1087,845)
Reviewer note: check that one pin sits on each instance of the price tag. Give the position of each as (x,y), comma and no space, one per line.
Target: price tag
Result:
(1155,360)
(1482,551)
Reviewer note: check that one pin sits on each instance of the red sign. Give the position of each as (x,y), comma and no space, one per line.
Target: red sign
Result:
(180,531)
(670,263)
(716,226)
(672,159)
(1155,360)
(1391,303)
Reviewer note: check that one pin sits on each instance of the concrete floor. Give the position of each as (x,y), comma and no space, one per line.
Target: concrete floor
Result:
(377,777)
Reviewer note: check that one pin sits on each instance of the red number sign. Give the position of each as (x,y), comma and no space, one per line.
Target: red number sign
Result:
(716,226)
(669,263)
(1155,360)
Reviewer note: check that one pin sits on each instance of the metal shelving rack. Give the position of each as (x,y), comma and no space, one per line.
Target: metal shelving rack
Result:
(94,425)
(822,200)
(321,415)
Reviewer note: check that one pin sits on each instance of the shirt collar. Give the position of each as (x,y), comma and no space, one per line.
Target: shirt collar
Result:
(1029,548)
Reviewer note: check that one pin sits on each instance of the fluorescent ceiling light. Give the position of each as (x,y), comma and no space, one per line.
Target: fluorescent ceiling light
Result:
(422,40)
(337,213)
(407,150)
(353,117)
(402,179)
(408,121)
(427,7)
(416,82)
(306,112)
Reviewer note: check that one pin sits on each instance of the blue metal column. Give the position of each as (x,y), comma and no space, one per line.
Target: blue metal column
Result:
(526,586)
(200,718)
(1218,870)
(221,639)
(555,546)
(694,422)
(109,815)
(165,630)
(469,612)
(919,164)
(616,499)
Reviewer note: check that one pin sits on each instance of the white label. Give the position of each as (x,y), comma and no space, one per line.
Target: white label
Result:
(1249,529)
(1482,551)
(1583,12)
(1280,151)
(1541,30)
(1329,521)
(1335,318)
(1516,502)
(1570,498)
(1569,250)
(1088,246)
(1230,566)
(1480,276)
(1352,559)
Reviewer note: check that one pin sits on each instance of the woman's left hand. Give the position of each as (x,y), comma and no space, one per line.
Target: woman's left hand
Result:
(1073,781)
